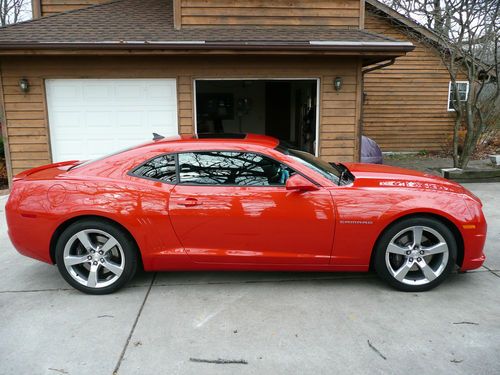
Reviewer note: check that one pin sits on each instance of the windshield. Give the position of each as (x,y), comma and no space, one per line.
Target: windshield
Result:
(316,164)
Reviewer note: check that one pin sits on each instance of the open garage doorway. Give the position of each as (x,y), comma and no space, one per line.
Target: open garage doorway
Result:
(282,108)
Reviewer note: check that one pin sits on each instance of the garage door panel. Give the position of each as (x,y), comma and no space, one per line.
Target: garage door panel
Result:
(71,148)
(161,119)
(160,92)
(66,117)
(92,117)
(131,118)
(94,92)
(66,93)
(98,119)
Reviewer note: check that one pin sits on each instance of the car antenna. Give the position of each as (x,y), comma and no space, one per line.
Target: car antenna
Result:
(157,137)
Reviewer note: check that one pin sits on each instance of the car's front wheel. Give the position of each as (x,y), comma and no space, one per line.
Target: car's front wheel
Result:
(96,257)
(416,254)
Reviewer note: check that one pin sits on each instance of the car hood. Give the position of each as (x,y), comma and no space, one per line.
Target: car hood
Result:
(383,176)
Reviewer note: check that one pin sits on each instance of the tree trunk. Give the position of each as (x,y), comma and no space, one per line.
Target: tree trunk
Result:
(456,156)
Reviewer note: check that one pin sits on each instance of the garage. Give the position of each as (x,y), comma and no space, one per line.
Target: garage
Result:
(89,118)
(282,108)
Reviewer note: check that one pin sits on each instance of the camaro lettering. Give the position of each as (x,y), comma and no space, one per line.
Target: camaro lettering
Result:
(355,222)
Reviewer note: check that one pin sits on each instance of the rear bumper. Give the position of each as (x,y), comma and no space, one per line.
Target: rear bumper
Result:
(35,245)
(29,233)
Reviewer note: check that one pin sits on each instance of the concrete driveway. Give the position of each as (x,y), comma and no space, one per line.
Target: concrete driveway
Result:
(251,323)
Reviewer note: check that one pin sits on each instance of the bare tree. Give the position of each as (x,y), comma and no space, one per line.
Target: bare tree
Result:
(466,33)
(13,11)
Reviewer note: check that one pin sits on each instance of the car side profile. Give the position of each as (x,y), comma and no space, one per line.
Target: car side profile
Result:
(241,202)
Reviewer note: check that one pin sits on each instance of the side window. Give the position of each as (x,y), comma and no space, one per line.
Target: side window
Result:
(161,168)
(231,168)
(463,93)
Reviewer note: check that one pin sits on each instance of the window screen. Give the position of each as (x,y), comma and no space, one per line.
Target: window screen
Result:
(231,168)
(161,168)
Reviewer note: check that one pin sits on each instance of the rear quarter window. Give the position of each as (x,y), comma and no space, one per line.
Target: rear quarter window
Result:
(161,168)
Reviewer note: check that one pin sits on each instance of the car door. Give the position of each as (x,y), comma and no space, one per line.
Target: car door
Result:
(233,207)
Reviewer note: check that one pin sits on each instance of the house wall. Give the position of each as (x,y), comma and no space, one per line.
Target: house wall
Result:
(405,107)
(50,7)
(335,13)
(28,138)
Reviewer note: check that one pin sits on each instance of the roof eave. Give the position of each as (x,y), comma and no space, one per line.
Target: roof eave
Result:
(319,46)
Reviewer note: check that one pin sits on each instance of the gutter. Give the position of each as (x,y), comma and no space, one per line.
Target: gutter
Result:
(203,45)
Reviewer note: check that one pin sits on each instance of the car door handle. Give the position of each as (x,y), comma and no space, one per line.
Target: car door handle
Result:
(189,202)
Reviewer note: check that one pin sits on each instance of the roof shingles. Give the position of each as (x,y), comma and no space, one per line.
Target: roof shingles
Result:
(140,22)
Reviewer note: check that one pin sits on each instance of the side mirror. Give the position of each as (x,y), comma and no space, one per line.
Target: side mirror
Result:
(299,183)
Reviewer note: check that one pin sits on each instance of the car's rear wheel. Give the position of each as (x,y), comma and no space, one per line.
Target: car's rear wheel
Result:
(416,254)
(96,257)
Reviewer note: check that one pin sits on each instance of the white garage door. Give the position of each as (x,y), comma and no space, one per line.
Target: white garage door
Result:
(90,118)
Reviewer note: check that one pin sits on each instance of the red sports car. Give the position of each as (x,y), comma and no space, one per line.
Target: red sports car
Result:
(241,202)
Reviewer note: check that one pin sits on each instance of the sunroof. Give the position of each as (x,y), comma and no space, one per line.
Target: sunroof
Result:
(221,135)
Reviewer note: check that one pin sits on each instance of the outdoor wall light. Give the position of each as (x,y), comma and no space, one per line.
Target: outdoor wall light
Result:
(337,83)
(24,85)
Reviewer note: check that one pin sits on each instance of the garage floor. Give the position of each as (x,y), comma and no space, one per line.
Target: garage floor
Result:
(251,323)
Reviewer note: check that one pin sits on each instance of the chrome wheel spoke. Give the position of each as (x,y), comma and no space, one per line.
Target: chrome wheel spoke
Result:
(110,243)
(84,239)
(72,260)
(401,273)
(395,249)
(113,267)
(436,249)
(426,270)
(92,278)
(417,236)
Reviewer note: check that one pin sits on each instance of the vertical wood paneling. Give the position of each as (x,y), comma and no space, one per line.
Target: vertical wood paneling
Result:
(185,99)
(406,103)
(177,9)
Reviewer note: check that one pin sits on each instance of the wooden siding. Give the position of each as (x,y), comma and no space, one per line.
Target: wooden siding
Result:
(50,7)
(405,105)
(334,13)
(26,114)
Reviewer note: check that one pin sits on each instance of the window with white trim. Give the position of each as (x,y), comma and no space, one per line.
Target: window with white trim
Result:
(463,93)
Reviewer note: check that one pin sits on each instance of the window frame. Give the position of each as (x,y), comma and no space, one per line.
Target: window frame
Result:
(132,171)
(451,109)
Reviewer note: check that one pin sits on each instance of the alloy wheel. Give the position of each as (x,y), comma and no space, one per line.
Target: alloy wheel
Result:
(94,258)
(417,255)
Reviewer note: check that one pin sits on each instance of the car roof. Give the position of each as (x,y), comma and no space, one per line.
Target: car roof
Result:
(219,138)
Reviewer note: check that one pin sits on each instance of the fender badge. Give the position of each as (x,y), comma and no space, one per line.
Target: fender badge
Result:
(356,222)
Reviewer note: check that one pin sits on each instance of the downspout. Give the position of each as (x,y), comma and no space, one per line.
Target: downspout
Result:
(362,116)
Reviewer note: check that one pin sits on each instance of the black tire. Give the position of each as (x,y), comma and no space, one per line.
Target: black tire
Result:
(129,254)
(445,266)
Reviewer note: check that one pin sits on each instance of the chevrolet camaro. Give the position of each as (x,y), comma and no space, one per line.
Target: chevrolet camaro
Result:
(241,202)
